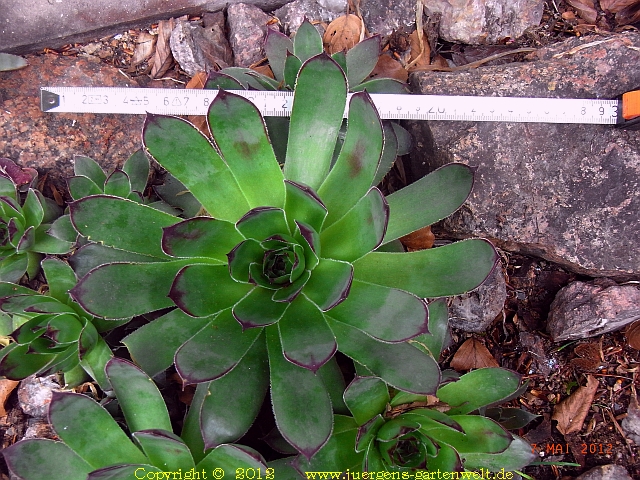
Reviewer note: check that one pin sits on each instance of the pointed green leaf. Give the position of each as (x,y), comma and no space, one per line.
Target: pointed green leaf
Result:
(292,66)
(358,159)
(242,256)
(202,290)
(316,117)
(405,140)
(448,270)
(117,184)
(94,362)
(307,41)
(341,59)
(191,433)
(387,314)
(230,460)
(137,168)
(81,186)
(200,237)
(219,80)
(518,455)
(174,328)
(441,193)
(13,267)
(17,362)
(301,406)
(92,255)
(258,309)
(338,453)
(89,168)
(121,223)
(60,278)
(139,398)
(32,209)
(510,418)
(174,143)
(27,240)
(234,400)
(174,193)
(164,450)
(76,419)
(45,243)
(359,231)
(361,60)
(214,350)
(276,46)
(27,458)
(303,205)
(367,434)
(400,365)
(262,223)
(489,384)
(307,340)
(366,397)
(439,335)
(395,428)
(333,380)
(381,85)
(389,153)
(241,136)
(245,77)
(480,435)
(125,472)
(329,284)
(62,229)
(447,460)
(120,290)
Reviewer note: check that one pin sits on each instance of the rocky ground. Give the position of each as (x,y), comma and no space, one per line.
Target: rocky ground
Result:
(561,201)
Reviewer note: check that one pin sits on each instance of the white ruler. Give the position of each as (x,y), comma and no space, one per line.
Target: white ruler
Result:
(390,106)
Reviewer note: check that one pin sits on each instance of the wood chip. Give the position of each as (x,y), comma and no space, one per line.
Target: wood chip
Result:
(145,45)
(6,387)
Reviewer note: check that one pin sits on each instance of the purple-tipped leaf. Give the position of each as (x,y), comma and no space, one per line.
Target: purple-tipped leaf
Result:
(200,237)
(307,340)
(330,283)
(303,204)
(263,222)
(257,309)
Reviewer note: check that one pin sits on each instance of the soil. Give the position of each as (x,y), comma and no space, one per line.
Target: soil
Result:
(516,339)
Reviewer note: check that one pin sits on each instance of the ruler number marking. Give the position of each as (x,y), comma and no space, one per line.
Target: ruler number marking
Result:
(95,99)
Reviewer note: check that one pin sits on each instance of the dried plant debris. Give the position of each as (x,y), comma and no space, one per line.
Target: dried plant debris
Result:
(472,354)
(572,411)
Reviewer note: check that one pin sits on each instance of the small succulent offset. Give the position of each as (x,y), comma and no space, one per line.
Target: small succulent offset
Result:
(453,431)
(93,446)
(52,333)
(287,56)
(25,225)
(291,265)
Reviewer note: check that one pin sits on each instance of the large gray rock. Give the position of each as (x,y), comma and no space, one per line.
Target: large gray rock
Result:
(293,14)
(484,21)
(583,310)
(30,26)
(247,31)
(567,193)
(385,16)
(606,472)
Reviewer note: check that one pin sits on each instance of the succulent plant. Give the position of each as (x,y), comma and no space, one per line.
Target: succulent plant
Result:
(24,226)
(459,429)
(51,332)
(291,265)
(93,446)
(286,57)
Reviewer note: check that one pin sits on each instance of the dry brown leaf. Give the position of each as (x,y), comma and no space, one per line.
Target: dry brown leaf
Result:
(145,44)
(586,9)
(572,411)
(6,387)
(588,356)
(387,67)
(419,240)
(264,70)
(162,58)
(420,51)
(343,33)
(198,82)
(614,6)
(628,15)
(633,335)
(472,354)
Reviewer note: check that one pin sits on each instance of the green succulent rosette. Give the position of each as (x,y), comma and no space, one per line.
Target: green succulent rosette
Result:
(290,266)
(93,446)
